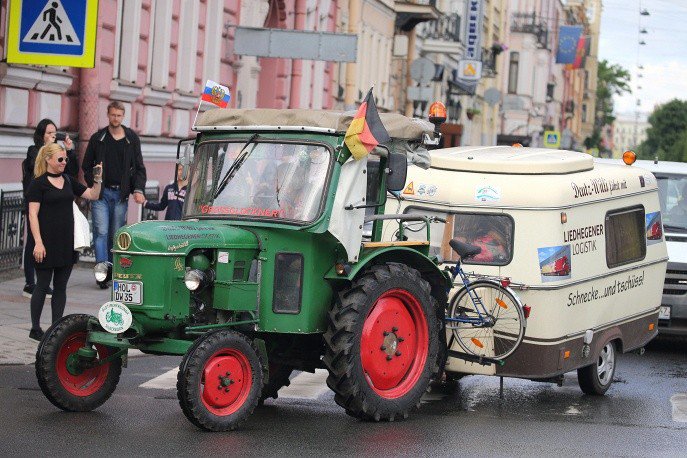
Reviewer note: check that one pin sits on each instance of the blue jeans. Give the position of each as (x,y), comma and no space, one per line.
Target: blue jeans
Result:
(109,214)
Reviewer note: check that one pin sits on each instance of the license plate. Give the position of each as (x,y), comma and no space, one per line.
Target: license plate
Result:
(664,312)
(127,292)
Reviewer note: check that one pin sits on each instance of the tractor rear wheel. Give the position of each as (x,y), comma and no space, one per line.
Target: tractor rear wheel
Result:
(70,381)
(220,381)
(382,343)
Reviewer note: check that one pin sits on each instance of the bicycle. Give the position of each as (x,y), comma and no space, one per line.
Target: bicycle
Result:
(486,317)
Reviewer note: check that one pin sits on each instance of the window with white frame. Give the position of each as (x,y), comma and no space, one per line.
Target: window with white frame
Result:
(128,34)
(188,47)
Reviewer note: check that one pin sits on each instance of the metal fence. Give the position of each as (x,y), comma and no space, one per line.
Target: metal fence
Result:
(11,228)
(12,225)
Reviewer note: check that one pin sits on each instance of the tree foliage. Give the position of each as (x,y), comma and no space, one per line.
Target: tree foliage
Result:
(611,80)
(667,136)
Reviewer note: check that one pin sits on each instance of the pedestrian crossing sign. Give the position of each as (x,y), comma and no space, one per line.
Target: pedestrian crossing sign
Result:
(52,32)
(552,139)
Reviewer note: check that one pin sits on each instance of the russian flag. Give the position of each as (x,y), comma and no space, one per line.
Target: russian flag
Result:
(216,94)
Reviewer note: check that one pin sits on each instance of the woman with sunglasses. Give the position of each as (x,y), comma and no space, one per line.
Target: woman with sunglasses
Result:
(45,133)
(51,221)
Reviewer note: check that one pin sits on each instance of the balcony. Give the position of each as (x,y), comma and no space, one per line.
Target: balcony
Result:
(530,23)
(410,14)
(489,62)
(442,35)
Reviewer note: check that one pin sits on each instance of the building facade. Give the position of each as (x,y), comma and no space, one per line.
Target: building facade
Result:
(629,131)
(155,56)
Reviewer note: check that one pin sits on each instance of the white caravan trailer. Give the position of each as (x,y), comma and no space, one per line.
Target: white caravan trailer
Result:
(581,243)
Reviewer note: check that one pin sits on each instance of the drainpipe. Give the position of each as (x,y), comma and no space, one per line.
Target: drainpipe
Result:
(297,64)
(89,110)
(409,81)
(354,8)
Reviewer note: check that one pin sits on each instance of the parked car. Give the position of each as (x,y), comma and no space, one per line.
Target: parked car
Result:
(671,178)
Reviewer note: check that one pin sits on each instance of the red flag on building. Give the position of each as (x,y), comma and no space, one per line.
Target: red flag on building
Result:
(366,130)
(582,51)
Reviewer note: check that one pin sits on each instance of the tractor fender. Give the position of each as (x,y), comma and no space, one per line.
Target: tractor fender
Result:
(402,255)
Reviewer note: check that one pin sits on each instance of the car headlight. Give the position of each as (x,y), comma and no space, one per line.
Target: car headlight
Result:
(194,278)
(101,271)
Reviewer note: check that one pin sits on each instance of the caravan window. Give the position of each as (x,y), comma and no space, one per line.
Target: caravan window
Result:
(490,231)
(625,236)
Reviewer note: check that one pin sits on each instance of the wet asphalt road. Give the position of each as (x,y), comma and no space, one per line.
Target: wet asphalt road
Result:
(635,418)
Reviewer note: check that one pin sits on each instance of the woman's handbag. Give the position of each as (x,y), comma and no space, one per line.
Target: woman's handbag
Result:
(82,231)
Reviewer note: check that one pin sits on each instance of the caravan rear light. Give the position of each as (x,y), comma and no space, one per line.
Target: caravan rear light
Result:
(505,282)
(526,309)
(654,232)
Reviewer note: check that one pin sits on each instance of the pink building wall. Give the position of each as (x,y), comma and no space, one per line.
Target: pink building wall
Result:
(79,97)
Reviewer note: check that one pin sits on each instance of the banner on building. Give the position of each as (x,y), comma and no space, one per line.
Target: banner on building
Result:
(473,30)
(52,32)
(568,39)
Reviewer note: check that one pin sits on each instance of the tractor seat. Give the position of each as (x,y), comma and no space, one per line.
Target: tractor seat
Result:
(465,250)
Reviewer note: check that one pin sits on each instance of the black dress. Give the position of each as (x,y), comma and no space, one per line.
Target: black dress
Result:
(56,219)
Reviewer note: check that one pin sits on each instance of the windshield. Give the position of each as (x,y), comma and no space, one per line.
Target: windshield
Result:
(672,191)
(269,180)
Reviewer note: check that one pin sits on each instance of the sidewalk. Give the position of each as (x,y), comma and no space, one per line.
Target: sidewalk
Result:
(83,296)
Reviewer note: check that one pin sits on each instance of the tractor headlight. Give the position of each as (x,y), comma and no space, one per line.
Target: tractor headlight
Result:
(194,278)
(101,271)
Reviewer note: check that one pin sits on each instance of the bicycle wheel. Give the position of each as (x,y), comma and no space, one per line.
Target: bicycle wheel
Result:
(506,328)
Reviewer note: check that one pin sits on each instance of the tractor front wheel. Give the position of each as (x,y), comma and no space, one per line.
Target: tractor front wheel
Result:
(382,343)
(68,378)
(220,381)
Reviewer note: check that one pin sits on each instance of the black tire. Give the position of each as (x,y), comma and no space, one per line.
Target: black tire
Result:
(359,345)
(509,321)
(597,378)
(78,390)
(278,379)
(220,406)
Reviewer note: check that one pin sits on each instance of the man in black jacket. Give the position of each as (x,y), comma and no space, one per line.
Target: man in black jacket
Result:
(119,150)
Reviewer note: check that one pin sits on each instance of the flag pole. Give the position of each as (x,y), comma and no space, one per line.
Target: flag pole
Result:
(200,102)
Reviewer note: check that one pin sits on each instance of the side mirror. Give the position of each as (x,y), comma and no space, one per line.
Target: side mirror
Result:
(397,170)
(185,156)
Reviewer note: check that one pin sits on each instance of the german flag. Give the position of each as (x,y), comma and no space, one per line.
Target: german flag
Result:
(366,130)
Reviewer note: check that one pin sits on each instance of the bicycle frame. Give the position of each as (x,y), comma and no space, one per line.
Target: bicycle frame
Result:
(481,316)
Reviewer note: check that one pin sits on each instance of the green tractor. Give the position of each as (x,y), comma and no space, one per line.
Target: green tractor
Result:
(278,265)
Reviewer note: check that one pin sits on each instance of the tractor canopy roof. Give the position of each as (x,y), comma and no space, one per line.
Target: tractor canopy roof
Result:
(326,121)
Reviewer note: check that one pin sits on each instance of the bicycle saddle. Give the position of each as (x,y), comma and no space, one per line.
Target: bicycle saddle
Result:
(465,250)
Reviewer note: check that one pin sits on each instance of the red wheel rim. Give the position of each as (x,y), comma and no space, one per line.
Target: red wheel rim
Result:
(226,381)
(90,380)
(394,344)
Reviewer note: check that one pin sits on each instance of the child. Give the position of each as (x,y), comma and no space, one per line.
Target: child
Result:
(172,197)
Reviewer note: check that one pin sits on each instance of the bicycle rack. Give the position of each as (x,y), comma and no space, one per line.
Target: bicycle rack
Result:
(482,360)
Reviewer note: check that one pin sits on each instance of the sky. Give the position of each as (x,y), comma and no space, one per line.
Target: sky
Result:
(664,57)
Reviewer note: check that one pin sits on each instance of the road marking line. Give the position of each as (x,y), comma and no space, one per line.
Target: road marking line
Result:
(679,402)
(306,385)
(166,381)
